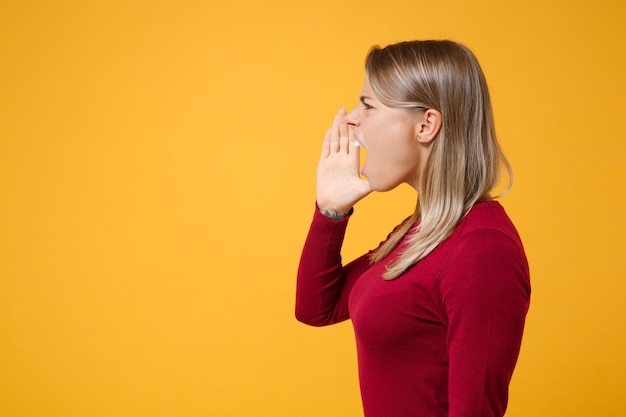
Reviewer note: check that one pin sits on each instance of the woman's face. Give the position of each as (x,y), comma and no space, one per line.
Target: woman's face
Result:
(390,139)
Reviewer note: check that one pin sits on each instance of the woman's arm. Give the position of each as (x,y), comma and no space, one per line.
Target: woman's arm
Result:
(324,284)
(485,293)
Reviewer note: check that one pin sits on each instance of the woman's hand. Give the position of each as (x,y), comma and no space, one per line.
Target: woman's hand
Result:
(339,185)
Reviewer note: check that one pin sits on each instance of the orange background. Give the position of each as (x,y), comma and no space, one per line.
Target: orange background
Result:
(157,168)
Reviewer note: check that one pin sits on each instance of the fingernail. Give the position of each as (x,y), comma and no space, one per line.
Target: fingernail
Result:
(356,143)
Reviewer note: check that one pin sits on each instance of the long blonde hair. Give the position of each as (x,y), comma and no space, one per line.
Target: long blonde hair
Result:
(465,160)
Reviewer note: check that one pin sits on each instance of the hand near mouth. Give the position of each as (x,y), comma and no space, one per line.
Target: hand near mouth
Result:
(339,185)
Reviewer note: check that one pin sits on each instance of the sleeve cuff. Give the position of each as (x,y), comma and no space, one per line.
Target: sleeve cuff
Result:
(319,216)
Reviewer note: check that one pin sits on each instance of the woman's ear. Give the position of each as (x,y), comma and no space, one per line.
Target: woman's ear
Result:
(429,126)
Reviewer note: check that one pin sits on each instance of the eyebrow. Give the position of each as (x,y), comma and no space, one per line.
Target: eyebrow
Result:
(363,98)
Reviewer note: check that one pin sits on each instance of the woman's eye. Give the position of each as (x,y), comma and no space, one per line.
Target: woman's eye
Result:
(366,106)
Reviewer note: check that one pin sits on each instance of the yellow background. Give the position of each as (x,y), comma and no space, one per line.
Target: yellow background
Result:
(157,169)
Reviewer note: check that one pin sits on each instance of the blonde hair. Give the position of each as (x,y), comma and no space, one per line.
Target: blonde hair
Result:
(465,160)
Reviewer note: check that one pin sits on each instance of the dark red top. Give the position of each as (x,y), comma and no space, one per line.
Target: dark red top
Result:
(440,340)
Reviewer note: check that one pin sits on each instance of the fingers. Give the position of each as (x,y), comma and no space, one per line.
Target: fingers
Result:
(338,137)
(353,145)
(334,135)
(326,144)
(343,131)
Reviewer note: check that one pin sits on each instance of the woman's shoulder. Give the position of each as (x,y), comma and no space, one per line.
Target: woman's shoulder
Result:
(485,244)
(489,215)
(488,229)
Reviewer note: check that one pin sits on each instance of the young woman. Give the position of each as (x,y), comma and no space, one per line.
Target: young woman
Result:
(439,307)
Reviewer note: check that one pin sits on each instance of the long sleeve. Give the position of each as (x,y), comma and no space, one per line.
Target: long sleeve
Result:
(443,338)
(485,292)
(324,284)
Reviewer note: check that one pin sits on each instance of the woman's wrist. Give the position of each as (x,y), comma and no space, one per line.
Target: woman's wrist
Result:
(334,214)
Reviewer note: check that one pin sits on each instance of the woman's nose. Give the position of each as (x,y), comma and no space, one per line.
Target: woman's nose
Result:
(352,119)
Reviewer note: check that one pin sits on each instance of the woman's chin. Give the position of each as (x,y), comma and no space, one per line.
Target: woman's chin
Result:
(376,184)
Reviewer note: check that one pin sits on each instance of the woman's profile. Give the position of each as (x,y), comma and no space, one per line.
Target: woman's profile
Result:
(438,308)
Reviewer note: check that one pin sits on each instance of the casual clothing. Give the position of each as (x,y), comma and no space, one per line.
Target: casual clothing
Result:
(442,339)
